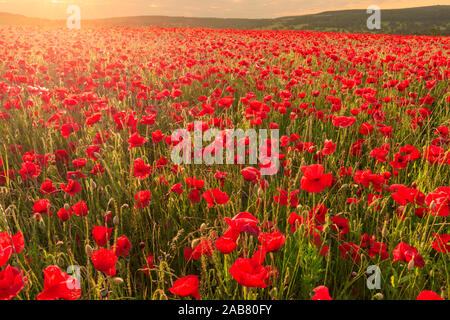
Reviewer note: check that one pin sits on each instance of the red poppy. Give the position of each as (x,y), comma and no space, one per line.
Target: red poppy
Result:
(439,202)
(71,187)
(286,198)
(314,180)
(104,260)
(318,213)
(6,175)
(343,122)
(404,195)
(428,295)
(5,254)
(29,170)
(186,287)
(221,176)
(136,140)
(93,119)
(149,266)
(215,196)
(64,214)
(271,241)
(97,170)
(18,242)
(48,188)
(367,178)
(442,243)
(194,196)
(177,188)
(251,174)
(59,285)
(249,273)
(140,169)
(295,219)
(195,183)
(68,128)
(122,246)
(79,163)
(379,154)
(101,235)
(244,222)
(366,128)
(12,281)
(75,175)
(142,198)
(406,253)
(204,247)
(80,209)
(340,224)
(321,293)
(225,245)
(350,250)
(157,136)
(42,207)
(93,152)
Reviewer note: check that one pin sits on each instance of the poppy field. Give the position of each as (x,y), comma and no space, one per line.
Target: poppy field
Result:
(93,207)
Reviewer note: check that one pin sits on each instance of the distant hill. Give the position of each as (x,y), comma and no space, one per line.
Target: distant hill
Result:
(432,20)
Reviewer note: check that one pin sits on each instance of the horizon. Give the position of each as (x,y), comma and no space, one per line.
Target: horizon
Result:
(56,9)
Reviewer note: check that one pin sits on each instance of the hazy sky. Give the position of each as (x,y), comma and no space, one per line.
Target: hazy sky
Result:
(197,8)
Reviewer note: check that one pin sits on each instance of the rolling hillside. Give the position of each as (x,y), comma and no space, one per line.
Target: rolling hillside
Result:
(432,20)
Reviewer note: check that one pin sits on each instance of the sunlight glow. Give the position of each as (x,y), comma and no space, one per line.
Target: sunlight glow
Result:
(56,9)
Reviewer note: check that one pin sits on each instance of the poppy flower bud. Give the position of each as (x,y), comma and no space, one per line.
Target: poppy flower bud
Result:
(66,206)
(141,245)
(194,243)
(378,296)
(117,280)
(116,220)
(124,206)
(59,243)
(203,228)
(93,185)
(414,184)
(88,250)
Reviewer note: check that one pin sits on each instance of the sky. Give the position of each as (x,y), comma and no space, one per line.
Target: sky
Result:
(92,9)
